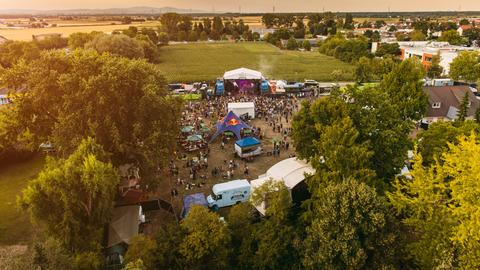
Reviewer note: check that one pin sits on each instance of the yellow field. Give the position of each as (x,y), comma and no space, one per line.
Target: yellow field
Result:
(66,30)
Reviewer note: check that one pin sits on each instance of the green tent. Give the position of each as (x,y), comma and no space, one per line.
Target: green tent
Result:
(194,138)
(228,133)
(192,96)
(187,129)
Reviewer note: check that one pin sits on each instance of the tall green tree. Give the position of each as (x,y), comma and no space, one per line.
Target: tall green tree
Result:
(435,70)
(73,197)
(142,248)
(452,37)
(168,241)
(404,86)
(363,70)
(240,220)
(352,229)
(79,39)
(431,143)
(169,22)
(463,110)
(440,203)
(207,242)
(275,237)
(121,45)
(340,155)
(12,52)
(466,66)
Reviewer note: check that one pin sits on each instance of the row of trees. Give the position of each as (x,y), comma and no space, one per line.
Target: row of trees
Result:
(317,23)
(182,28)
(130,43)
(347,50)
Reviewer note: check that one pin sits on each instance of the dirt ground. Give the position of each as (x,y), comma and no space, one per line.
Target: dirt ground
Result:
(217,158)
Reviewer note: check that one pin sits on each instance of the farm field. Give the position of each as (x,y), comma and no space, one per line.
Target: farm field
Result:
(207,61)
(66,30)
(15,226)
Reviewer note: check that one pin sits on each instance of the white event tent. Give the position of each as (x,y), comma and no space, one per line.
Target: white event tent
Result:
(243,74)
(241,108)
(290,171)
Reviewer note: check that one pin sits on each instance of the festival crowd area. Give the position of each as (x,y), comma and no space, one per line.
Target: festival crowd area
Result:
(213,162)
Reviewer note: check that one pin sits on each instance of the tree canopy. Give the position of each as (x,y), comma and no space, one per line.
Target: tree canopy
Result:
(73,197)
(121,103)
(352,229)
(440,203)
(466,66)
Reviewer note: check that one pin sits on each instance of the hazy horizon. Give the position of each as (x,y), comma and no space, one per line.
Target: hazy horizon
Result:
(250,6)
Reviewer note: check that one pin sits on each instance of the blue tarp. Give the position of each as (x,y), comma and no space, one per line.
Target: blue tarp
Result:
(232,123)
(248,142)
(191,200)
(264,86)
(219,88)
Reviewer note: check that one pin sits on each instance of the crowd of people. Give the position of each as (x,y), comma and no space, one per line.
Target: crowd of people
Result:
(192,170)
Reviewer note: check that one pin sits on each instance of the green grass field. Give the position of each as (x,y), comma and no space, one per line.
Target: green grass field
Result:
(208,61)
(15,226)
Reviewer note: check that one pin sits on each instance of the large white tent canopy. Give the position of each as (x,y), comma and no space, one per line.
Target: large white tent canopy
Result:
(243,74)
(290,171)
(241,108)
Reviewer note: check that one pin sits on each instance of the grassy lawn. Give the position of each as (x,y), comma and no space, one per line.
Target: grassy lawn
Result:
(207,61)
(15,226)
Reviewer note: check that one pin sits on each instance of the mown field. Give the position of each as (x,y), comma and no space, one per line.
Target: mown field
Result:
(208,61)
(15,226)
(66,30)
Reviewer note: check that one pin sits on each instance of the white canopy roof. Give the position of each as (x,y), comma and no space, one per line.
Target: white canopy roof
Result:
(241,105)
(291,171)
(243,74)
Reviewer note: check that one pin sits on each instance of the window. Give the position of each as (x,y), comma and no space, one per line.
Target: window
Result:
(436,105)
(237,197)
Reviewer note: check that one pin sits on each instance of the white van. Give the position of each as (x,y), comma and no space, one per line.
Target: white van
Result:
(229,193)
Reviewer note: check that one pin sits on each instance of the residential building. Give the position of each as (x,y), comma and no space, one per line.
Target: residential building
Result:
(444,102)
(461,30)
(426,50)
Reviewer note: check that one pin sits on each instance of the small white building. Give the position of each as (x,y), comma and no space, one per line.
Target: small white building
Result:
(241,108)
(426,50)
(292,173)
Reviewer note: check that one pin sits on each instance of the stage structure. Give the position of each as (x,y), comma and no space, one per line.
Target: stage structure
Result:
(245,81)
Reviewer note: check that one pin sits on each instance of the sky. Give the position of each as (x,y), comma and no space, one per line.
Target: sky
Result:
(254,5)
